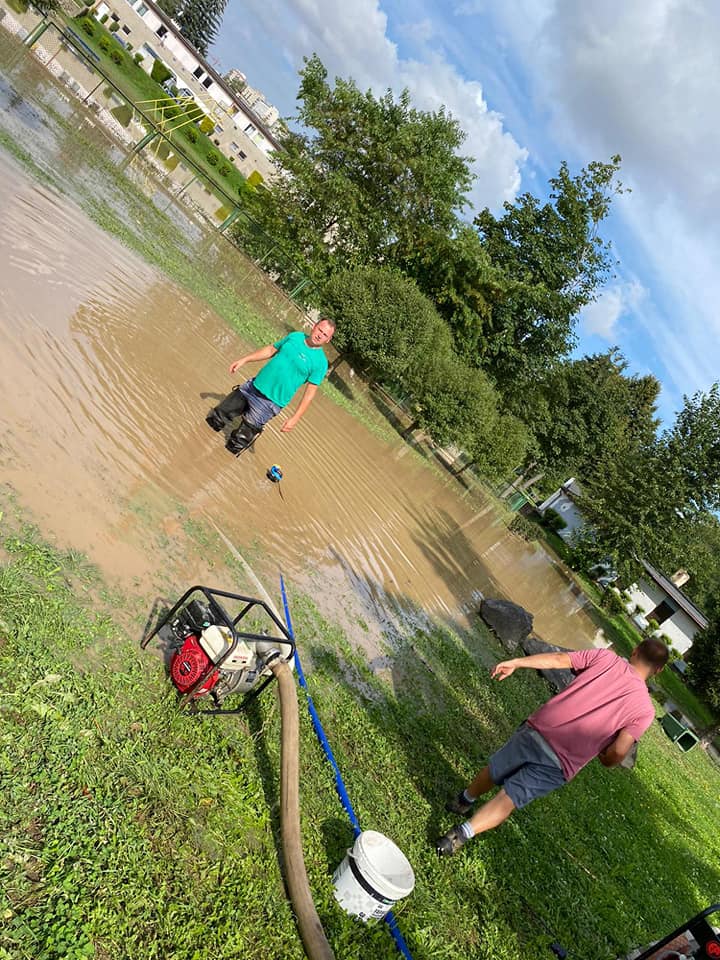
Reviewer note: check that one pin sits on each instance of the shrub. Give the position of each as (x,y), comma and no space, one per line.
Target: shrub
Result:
(138,58)
(255,178)
(116,57)
(191,133)
(224,170)
(206,125)
(88,28)
(612,603)
(114,27)
(553,520)
(522,527)
(173,90)
(160,73)
(103,18)
(104,43)
(212,158)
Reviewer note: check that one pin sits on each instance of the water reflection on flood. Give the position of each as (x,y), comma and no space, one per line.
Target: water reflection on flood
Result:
(108,371)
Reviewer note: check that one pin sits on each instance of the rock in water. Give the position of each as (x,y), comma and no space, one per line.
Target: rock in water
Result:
(509,621)
(558,679)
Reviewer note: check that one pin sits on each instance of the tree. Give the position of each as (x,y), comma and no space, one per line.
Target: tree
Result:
(367,174)
(171,8)
(584,410)
(160,72)
(704,661)
(548,262)
(386,325)
(199,22)
(693,446)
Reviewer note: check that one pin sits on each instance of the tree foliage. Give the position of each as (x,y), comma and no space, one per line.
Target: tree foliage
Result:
(366,173)
(199,21)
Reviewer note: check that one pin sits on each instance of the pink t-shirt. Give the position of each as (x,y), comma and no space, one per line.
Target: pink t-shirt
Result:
(607,696)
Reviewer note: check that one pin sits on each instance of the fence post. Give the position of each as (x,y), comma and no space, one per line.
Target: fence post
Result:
(230,218)
(37,32)
(148,138)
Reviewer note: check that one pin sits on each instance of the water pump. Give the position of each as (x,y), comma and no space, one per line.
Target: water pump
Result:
(214,655)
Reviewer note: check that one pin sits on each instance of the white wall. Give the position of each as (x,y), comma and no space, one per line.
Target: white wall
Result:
(679,628)
(562,504)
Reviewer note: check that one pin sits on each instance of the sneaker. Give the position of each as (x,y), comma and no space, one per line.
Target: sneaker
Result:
(450,842)
(459,805)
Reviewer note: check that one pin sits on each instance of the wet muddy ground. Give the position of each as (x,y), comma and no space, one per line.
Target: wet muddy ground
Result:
(108,371)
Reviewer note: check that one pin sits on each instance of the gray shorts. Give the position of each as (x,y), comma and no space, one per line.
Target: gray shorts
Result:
(259,409)
(527,767)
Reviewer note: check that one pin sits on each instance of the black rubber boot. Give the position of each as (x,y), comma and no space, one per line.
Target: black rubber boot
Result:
(242,438)
(234,405)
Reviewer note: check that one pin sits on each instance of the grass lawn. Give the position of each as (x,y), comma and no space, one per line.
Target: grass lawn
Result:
(138,86)
(130,830)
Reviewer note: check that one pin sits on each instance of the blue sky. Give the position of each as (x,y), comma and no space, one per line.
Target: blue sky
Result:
(534,82)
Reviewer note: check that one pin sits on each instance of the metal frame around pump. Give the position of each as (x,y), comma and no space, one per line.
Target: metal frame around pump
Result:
(222,617)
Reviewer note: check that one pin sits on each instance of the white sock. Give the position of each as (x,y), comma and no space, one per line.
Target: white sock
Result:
(467,830)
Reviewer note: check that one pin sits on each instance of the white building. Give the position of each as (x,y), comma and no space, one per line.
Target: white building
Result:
(240,133)
(661,599)
(563,501)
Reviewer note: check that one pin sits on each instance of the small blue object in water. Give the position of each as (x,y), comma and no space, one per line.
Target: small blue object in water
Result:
(275,473)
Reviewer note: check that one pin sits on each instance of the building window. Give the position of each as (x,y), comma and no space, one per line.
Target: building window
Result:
(216,142)
(142,10)
(207,82)
(161,30)
(126,30)
(662,612)
(198,72)
(114,17)
(218,129)
(242,155)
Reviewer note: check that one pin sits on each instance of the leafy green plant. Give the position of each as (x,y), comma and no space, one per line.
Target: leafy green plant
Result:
(160,72)
(104,18)
(117,57)
(114,27)
(522,527)
(224,169)
(553,520)
(212,158)
(138,58)
(88,28)
(612,602)
(104,44)
(191,133)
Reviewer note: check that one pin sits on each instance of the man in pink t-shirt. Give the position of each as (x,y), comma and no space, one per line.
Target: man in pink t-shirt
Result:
(602,713)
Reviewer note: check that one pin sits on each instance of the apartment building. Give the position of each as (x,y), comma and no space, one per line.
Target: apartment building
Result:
(240,133)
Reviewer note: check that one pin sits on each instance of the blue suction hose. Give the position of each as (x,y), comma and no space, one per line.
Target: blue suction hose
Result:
(339,784)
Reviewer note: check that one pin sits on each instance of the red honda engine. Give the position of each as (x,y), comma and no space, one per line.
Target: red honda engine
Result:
(189,664)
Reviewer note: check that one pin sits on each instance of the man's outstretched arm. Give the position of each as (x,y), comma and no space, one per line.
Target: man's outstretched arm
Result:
(538,661)
(307,399)
(264,353)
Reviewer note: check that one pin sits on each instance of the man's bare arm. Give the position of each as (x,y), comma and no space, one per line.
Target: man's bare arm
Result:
(264,353)
(538,661)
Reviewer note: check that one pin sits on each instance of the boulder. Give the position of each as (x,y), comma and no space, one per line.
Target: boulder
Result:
(510,622)
(558,679)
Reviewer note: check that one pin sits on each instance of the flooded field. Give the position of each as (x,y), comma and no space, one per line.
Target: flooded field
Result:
(109,369)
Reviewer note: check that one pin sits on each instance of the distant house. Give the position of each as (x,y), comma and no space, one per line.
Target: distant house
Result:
(661,599)
(563,501)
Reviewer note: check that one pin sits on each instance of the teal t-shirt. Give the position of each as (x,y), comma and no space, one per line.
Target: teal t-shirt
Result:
(294,364)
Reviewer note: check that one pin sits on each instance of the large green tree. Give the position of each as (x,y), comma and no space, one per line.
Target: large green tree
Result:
(585,410)
(549,261)
(365,173)
(199,21)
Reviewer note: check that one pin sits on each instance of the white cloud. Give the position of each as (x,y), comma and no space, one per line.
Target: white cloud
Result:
(618,300)
(352,40)
(641,78)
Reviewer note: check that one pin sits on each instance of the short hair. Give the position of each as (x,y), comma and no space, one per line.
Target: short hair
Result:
(327,320)
(653,652)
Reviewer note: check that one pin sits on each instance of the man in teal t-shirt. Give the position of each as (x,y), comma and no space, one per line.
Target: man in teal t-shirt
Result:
(295,360)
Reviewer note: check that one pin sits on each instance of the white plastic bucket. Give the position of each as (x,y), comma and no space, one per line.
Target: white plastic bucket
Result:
(374,875)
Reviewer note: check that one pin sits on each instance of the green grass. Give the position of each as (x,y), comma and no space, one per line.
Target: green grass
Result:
(131,830)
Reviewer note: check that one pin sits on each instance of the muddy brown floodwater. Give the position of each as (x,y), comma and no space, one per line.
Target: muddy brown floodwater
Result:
(108,370)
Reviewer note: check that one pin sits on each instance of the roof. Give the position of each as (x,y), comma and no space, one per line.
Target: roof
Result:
(676,595)
(220,80)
